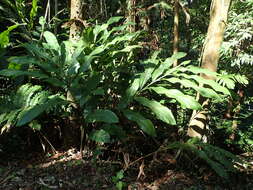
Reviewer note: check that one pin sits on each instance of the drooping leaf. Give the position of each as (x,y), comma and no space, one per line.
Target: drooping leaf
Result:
(145,124)
(101,115)
(163,113)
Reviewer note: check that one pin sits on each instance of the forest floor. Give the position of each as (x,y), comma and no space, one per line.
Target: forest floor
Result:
(65,170)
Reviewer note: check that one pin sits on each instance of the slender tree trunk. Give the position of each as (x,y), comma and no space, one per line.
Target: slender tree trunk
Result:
(71,130)
(198,126)
(75,16)
(176,29)
(131,14)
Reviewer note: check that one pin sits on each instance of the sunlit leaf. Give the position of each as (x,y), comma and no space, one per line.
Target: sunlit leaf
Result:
(185,101)
(162,112)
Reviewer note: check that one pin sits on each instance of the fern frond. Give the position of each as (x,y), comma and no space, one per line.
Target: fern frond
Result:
(28,103)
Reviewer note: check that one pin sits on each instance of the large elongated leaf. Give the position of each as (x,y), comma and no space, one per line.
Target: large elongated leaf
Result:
(145,124)
(198,70)
(186,101)
(163,113)
(213,84)
(206,92)
(100,115)
(12,73)
(163,66)
(144,77)
(130,93)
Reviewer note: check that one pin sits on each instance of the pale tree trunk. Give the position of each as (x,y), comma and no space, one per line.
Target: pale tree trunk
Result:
(176,29)
(71,130)
(76,16)
(198,126)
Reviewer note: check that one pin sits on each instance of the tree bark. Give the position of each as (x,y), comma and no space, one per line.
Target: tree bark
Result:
(75,16)
(176,29)
(198,126)
(71,129)
(131,14)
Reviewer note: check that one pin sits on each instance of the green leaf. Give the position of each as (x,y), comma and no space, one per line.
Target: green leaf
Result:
(198,70)
(163,113)
(163,66)
(100,136)
(209,93)
(115,130)
(114,19)
(130,93)
(178,55)
(206,92)
(126,49)
(144,77)
(4,36)
(30,113)
(100,115)
(51,40)
(185,100)
(12,73)
(216,86)
(145,124)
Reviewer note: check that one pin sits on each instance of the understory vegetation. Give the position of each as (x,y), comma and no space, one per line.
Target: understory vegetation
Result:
(107,99)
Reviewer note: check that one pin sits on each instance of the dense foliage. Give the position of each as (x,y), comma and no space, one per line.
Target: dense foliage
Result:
(118,85)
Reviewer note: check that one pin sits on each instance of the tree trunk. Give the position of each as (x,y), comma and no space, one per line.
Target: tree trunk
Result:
(176,29)
(198,126)
(76,17)
(71,129)
(131,6)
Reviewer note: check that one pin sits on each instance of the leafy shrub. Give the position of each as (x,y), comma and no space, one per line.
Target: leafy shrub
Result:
(160,81)
(80,70)
(220,160)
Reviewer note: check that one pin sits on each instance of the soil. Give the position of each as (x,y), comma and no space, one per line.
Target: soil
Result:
(66,170)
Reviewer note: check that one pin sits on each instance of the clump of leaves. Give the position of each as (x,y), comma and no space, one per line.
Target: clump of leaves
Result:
(84,71)
(220,160)
(25,105)
(169,85)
